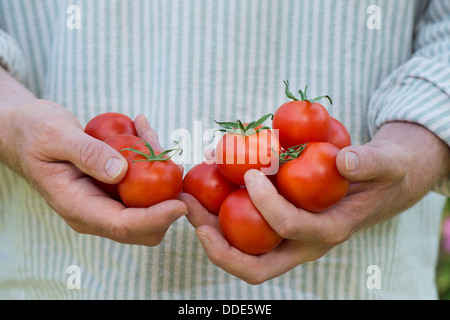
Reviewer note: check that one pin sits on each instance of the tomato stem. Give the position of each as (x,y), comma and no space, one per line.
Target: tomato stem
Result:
(303,95)
(152,156)
(239,128)
(292,153)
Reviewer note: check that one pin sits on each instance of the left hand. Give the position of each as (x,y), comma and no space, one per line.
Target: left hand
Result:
(387,177)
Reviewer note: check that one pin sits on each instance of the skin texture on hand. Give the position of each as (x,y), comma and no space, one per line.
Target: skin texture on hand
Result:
(55,156)
(387,177)
(44,143)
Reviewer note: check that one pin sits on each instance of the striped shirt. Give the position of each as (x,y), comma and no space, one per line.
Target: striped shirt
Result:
(184,63)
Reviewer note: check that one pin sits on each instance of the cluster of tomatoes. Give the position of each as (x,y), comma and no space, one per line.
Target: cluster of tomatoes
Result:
(152,177)
(297,154)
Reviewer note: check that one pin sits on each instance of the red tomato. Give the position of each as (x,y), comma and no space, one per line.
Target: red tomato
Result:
(250,147)
(120,142)
(339,136)
(243,226)
(208,185)
(123,141)
(299,122)
(312,181)
(110,124)
(149,182)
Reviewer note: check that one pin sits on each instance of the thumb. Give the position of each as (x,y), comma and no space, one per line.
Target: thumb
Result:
(93,157)
(377,160)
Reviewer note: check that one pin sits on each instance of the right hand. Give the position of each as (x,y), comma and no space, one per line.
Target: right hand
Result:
(46,144)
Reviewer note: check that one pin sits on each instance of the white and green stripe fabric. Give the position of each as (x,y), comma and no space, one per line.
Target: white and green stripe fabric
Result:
(184,63)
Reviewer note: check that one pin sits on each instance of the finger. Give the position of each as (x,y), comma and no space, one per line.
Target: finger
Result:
(210,155)
(92,212)
(147,133)
(277,211)
(227,257)
(255,269)
(290,222)
(198,215)
(155,218)
(88,210)
(91,156)
(133,225)
(377,160)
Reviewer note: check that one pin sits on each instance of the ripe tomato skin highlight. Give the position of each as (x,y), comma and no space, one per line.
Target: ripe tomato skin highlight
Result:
(339,136)
(208,185)
(312,181)
(236,154)
(243,226)
(110,124)
(299,122)
(149,182)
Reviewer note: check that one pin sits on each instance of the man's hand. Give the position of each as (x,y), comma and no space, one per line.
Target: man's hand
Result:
(388,175)
(46,144)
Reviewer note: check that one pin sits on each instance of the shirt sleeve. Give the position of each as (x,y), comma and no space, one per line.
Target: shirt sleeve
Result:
(11,56)
(419,90)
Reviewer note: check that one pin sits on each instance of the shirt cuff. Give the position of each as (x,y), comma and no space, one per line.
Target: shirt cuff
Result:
(417,92)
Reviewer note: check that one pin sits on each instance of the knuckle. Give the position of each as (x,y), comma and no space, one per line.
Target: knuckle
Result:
(375,162)
(48,133)
(156,241)
(89,154)
(402,164)
(254,279)
(75,224)
(336,238)
(329,236)
(333,238)
(78,227)
(393,163)
(258,274)
(287,229)
(250,276)
(119,231)
(214,257)
(316,254)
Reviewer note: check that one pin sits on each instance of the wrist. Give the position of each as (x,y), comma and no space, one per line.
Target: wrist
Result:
(11,132)
(427,152)
(13,95)
(6,116)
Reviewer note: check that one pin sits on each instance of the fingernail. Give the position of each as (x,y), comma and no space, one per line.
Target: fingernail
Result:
(209,154)
(204,238)
(114,167)
(351,161)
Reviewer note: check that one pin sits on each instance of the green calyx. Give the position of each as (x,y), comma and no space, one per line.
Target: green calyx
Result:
(239,128)
(152,156)
(292,153)
(303,96)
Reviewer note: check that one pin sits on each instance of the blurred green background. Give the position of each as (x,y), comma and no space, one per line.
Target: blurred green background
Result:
(443,266)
